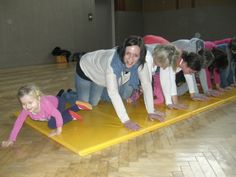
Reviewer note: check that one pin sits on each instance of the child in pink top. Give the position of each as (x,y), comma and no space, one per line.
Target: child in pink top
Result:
(43,108)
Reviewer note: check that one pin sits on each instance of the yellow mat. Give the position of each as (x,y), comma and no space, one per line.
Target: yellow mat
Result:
(101,128)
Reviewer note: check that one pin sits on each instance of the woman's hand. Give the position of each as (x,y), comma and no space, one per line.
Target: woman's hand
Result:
(228,88)
(157,115)
(199,97)
(233,85)
(177,106)
(56,132)
(131,125)
(221,89)
(213,93)
(7,143)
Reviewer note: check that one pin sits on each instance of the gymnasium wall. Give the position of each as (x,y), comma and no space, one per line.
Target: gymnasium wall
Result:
(30,29)
(175,19)
(211,22)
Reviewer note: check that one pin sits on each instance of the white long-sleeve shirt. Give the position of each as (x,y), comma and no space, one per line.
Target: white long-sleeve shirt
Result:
(194,45)
(168,84)
(167,78)
(97,66)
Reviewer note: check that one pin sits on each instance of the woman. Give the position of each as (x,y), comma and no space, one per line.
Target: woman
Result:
(171,61)
(116,70)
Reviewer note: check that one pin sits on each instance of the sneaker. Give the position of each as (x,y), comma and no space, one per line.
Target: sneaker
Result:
(84,105)
(59,94)
(75,115)
(69,90)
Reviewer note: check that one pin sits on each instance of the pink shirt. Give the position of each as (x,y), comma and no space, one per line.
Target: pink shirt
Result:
(209,45)
(216,76)
(222,41)
(152,39)
(48,109)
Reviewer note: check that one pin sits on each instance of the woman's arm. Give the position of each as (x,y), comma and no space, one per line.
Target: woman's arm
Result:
(145,79)
(165,79)
(147,88)
(112,90)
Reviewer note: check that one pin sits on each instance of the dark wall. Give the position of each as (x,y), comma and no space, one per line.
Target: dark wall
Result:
(103,22)
(127,23)
(30,29)
(211,22)
(176,19)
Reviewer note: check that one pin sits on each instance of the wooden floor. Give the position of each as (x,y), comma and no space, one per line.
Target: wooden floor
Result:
(202,146)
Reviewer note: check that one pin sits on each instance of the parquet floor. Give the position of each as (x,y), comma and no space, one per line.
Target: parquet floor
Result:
(202,146)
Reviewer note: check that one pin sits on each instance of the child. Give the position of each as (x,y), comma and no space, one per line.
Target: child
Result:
(43,108)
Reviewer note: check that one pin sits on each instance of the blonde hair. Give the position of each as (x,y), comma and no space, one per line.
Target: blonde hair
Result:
(167,55)
(29,89)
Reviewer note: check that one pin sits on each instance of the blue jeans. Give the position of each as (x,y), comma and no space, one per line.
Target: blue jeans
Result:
(88,91)
(125,92)
(92,93)
(227,75)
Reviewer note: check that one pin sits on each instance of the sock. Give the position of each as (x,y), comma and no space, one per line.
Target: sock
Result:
(75,115)
(84,105)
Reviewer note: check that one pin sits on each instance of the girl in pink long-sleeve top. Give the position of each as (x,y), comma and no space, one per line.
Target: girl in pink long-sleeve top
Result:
(43,108)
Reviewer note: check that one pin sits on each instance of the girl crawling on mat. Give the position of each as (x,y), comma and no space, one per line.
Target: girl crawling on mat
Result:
(44,108)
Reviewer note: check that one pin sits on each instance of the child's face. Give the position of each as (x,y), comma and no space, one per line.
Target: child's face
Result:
(30,103)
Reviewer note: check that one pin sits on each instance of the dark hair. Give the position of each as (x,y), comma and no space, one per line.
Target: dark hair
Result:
(232,44)
(207,56)
(220,62)
(193,60)
(130,41)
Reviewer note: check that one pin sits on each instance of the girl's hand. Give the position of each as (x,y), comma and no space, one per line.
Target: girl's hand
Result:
(56,132)
(157,115)
(7,143)
(131,125)
(177,106)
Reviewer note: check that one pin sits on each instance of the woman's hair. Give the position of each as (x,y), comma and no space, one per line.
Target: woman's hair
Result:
(193,60)
(232,44)
(167,55)
(232,47)
(131,41)
(207,56)
(29,89)
(220,62)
